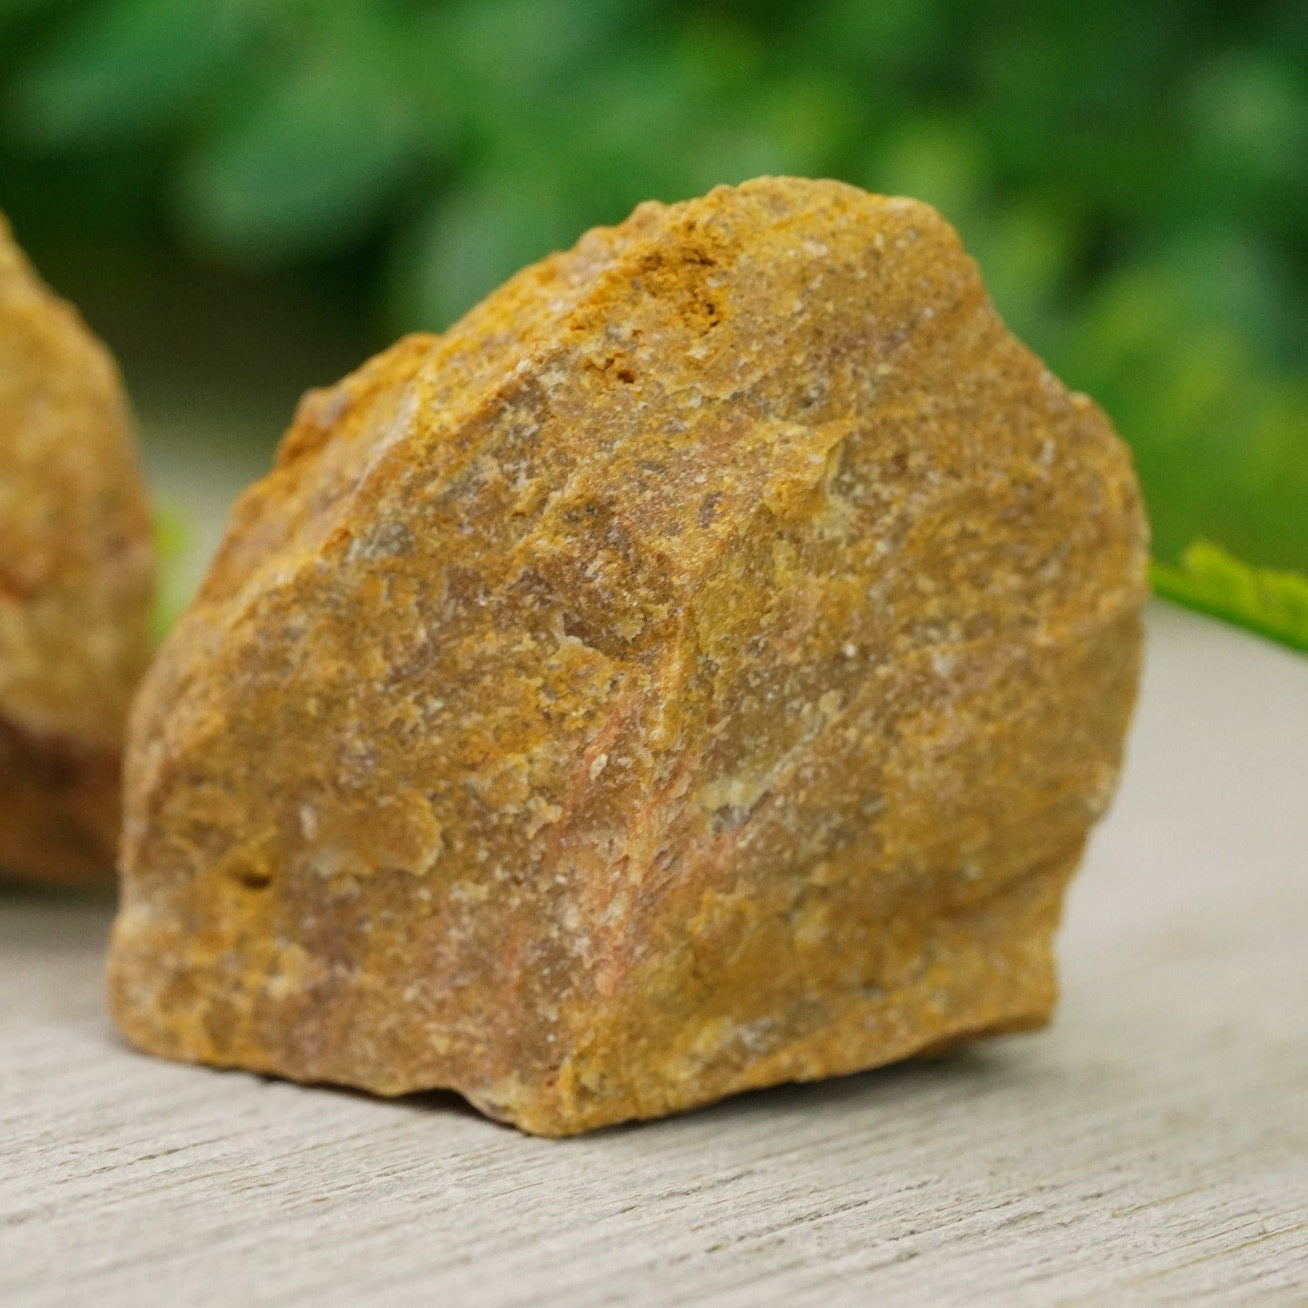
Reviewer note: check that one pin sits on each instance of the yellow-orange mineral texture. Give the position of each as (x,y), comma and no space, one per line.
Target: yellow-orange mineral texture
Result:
(697,669)
(76,584)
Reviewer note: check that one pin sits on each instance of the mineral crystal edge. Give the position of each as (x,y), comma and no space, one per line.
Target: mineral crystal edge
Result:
(697,669)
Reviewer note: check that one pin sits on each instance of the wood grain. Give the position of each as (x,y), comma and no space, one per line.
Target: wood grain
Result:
(1151,1147)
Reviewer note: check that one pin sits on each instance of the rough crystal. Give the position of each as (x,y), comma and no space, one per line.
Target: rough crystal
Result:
(76,584)
(698,669)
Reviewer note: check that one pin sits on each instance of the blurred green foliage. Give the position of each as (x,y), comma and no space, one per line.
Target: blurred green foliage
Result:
(1274,604)
(1133,178)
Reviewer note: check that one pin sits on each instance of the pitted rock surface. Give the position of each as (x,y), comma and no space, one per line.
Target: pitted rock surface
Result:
(697,669)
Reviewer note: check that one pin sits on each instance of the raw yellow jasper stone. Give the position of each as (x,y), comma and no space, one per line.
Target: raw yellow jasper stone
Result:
(697,669)
(76,584)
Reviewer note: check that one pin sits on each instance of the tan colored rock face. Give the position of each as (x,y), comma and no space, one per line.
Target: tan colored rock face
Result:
(696,670)
(76,584)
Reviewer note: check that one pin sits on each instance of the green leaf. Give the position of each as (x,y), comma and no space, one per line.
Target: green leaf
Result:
(15,12)
(1274,604)
(939,159)
(316,151)
(124,68)
(1220,435)
(470,241)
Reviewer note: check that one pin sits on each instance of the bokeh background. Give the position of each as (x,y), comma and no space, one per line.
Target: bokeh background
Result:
(247,197)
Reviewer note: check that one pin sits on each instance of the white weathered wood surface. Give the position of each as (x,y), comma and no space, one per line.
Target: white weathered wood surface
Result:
(1151,1147)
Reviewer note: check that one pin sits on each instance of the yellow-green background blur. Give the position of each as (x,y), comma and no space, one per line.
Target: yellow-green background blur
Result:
(249,196)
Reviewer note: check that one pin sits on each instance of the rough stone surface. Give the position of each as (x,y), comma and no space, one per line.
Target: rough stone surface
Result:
(76,584)
(697,669)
